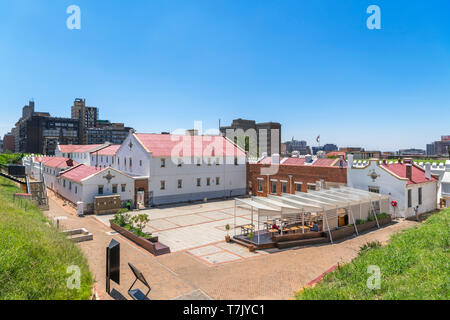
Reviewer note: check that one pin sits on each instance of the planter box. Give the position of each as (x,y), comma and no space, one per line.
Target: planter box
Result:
(154,247)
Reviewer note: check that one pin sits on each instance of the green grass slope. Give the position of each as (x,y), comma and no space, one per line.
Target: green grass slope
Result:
(414,265)
(34,256)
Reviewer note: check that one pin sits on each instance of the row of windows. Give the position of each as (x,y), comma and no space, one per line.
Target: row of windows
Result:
(274,184)
(209,182)
(198,162)
(100,187)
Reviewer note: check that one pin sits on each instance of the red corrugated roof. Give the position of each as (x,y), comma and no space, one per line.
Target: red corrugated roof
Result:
(108,151)
(59,162)
(292,161)
(166,145)
(41,159)
(399,169)
(80,172)
(71,148)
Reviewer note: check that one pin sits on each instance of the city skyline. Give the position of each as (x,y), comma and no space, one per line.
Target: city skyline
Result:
(161,66)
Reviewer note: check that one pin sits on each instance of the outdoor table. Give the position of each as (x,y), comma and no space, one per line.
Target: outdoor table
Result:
(294,229)
(273,231)
(245,229)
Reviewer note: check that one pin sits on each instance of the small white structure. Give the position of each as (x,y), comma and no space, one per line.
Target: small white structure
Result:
(180,168)
(83,183)
(408,185)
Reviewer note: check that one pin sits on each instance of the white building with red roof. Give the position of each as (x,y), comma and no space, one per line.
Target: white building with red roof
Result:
(178,168)
(408,185)
(79,153)
(84,183)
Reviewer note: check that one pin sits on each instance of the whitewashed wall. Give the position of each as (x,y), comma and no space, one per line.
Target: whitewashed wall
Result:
(396,189)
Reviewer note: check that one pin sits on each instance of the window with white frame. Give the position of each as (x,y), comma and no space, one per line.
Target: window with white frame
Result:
(163,185)
(163,163)
(199,182)
(180,183)
(217,181)
(260,185)
(208,181)
(298,187)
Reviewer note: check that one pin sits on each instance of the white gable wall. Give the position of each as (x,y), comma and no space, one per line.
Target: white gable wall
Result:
(396,188)
(140,158)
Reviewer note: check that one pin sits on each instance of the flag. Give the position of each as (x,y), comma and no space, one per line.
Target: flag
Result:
(318,138)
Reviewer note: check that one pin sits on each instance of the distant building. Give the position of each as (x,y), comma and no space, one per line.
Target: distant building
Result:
(116,133)
(360,153)
(300,146)
(439,148)
(411,152)
(254,138)
(329,147)
(8,142)
(39,133)
(87,116)
(1,146)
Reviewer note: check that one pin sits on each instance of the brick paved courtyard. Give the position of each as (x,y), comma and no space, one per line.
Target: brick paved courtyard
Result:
(214,269)
(198,229)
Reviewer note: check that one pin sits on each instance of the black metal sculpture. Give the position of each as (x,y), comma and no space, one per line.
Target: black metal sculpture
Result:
(112,264)
(137,294)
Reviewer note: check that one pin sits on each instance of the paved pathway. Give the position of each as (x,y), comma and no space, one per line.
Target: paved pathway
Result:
(188,274)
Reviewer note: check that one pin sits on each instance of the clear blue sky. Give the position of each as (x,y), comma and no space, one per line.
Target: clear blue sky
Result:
(311,65)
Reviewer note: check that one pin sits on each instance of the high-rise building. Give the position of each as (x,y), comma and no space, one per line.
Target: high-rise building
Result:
(87,116)
(255,138)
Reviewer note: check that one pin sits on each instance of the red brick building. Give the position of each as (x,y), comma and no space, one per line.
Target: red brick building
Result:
(293,175)
(8,142)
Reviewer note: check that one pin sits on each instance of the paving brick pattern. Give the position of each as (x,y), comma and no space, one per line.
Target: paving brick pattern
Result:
(231,273)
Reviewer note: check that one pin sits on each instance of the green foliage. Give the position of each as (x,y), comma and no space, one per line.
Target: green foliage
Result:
(10,158)
(34,256)
(369,245)
(134,224)
(414,265)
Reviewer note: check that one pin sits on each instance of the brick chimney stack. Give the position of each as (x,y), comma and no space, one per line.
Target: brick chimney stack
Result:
(409,171)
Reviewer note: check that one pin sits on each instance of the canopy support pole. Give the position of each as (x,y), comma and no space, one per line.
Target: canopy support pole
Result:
(303,222)
(234,227)
(328,226)
(353,218)
(374,213)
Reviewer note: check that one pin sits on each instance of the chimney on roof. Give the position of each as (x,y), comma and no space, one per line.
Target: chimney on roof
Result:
(275,158)
(409,171)
(69,163)
(349,161)
(428,171)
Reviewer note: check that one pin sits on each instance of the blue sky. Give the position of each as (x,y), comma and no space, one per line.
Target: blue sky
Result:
(311,65)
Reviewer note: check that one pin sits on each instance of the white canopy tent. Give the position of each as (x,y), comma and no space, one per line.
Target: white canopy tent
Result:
(325,202)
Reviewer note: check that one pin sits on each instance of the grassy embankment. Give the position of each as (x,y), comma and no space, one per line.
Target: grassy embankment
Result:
(414,265)
(34,256)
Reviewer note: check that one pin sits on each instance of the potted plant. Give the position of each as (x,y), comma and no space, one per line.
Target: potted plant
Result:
(227,237)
